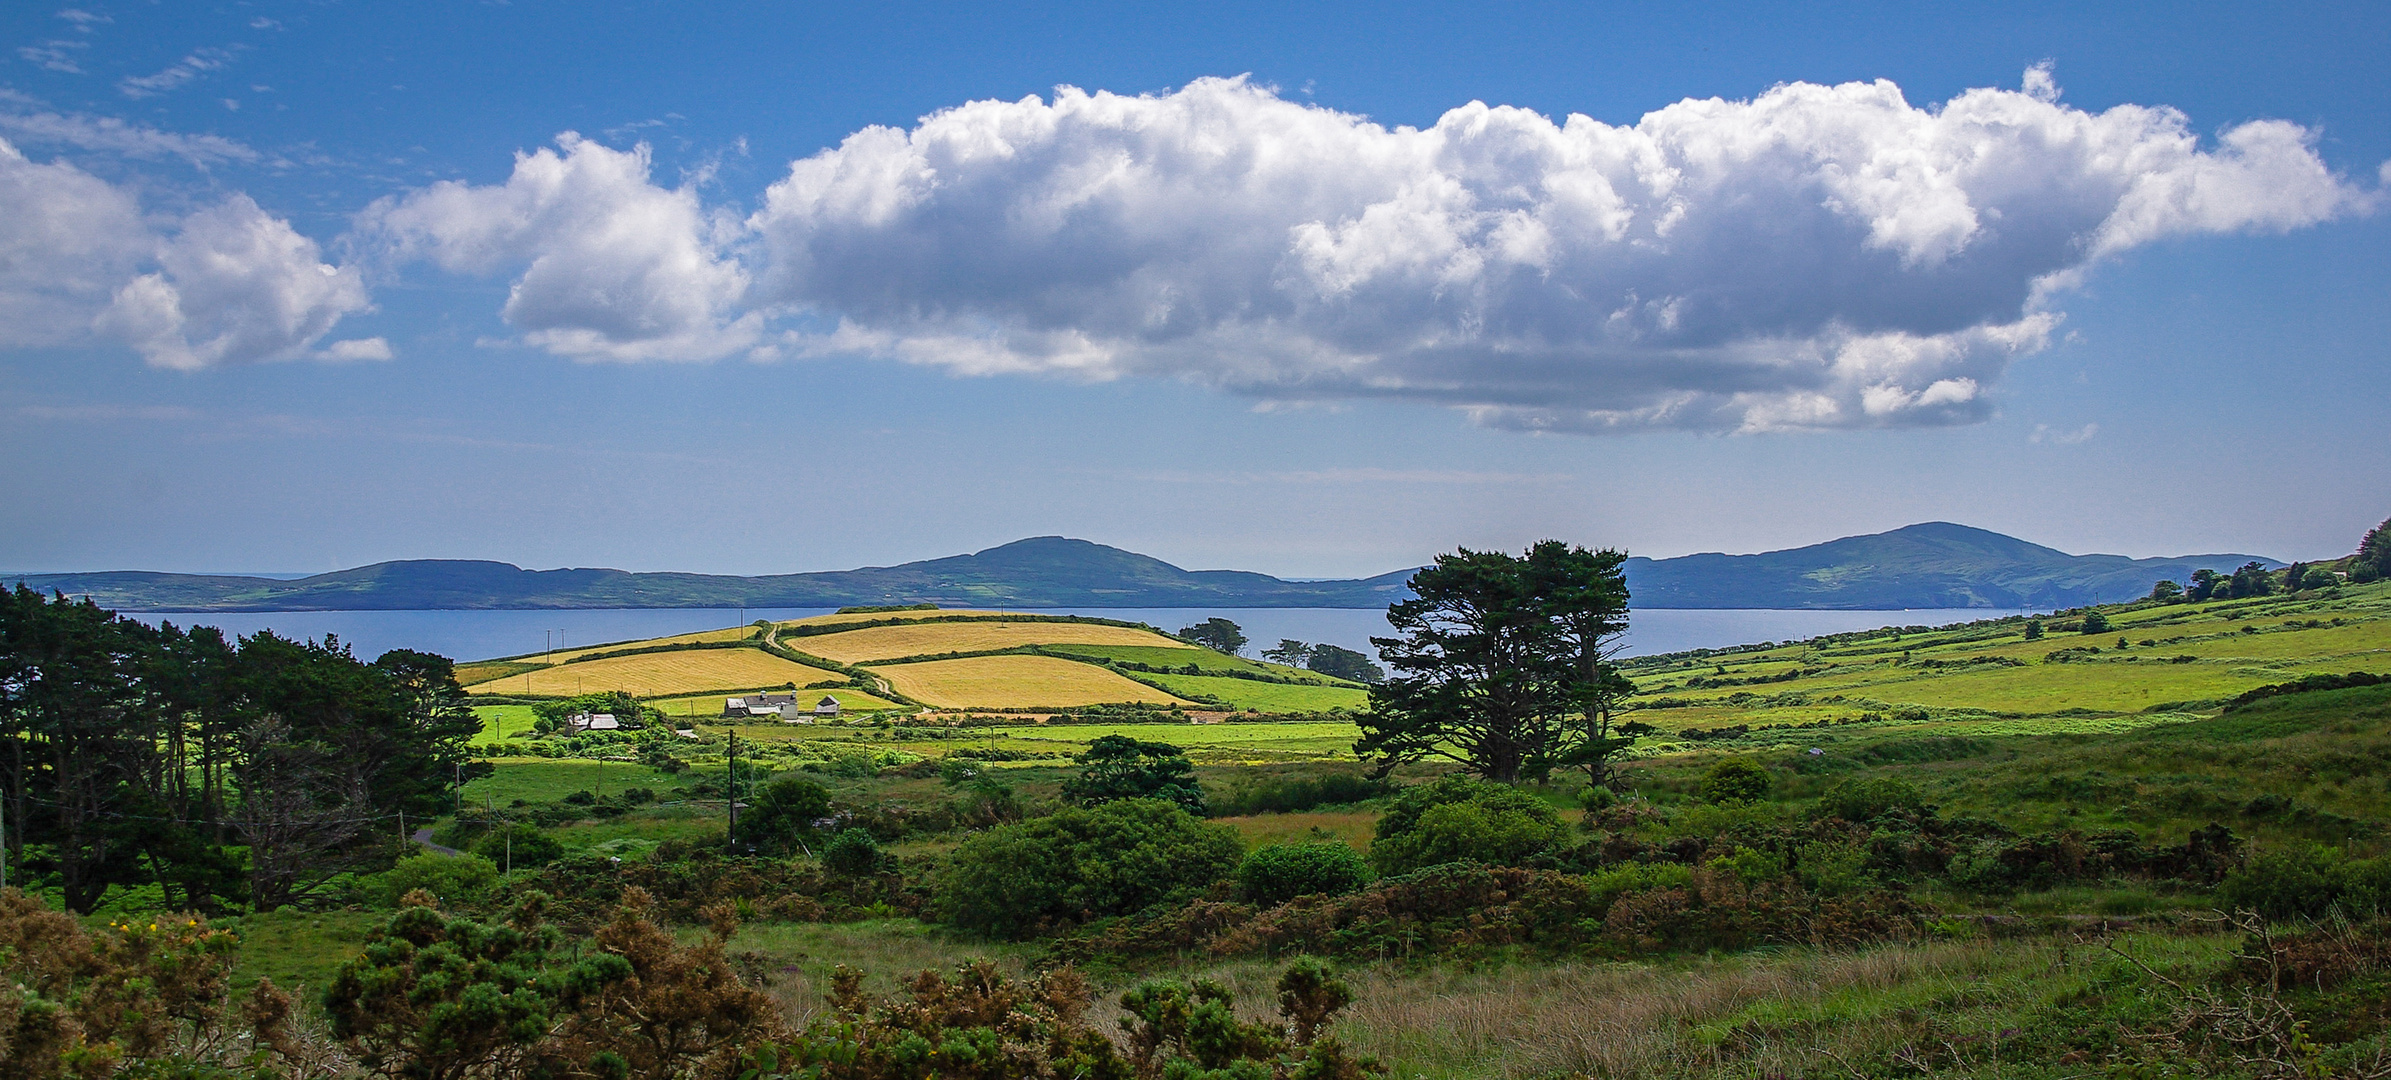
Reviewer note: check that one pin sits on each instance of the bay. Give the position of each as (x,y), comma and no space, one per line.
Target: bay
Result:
(476,635)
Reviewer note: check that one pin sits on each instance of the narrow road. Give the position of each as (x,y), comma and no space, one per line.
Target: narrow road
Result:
(424,837)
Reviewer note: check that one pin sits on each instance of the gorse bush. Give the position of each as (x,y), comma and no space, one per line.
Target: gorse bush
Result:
(1459,818)
(1867,800)
(151,993)
(435,996)
(518,847)
(976,1024)
(1736,780)
(1083,863)
(1281,872)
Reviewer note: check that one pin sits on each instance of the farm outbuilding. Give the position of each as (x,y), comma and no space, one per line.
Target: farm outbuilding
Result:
(752,705)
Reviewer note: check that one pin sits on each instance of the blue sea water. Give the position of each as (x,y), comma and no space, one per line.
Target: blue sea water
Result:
(477,635)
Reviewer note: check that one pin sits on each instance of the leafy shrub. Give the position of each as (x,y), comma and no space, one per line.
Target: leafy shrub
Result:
(1867,800)
(1735,780)
(984,801)
(1460,818)
(784,813)
(1281,872)
(1080,863)
(456,880)
(2290,883)
(1119,767)
(518,847)
(853,851)
(1833,868)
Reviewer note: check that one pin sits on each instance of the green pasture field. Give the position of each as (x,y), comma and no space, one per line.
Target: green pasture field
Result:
(504,721)
(640,831)
(298,949)
(2294,636)
(1204,659)
(537,780)
(1268,697)
(1352,828)
(1211,743)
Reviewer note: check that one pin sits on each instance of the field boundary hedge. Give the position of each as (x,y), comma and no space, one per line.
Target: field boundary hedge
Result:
(827,629)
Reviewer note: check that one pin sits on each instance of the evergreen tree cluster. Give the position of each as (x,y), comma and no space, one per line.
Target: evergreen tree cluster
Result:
(250,771)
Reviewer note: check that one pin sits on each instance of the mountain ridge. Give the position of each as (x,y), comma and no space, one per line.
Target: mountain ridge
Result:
(1927,565)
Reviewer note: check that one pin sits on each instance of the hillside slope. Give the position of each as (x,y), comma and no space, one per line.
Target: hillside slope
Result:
(1933,565)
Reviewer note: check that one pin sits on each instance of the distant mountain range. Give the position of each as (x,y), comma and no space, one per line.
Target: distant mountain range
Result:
(1934,565)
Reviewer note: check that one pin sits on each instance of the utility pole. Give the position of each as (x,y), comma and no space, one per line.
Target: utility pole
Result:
(734,786)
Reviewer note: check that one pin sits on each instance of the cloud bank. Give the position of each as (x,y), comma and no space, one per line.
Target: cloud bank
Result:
(79,260)
(1815,257)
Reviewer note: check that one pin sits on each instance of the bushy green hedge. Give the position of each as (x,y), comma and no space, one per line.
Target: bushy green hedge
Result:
(1078,864)
(1282,872)
(1457,819)
(2307,882)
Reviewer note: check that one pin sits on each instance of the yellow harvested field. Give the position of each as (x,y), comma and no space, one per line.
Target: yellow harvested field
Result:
(998,682)
(892,642)
(566,656)
(647,675)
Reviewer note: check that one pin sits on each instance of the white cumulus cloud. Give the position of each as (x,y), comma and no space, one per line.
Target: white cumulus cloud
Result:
(1819,256)
(1815,257)
(226,284)
(607,265)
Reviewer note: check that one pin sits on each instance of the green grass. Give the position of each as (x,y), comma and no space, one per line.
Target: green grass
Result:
(298,949)
(1212,743)
(1995,669)
(547,780)
(504,721)
(1204,659)
(1268,697)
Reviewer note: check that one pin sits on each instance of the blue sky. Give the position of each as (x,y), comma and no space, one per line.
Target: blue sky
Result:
(298,286)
